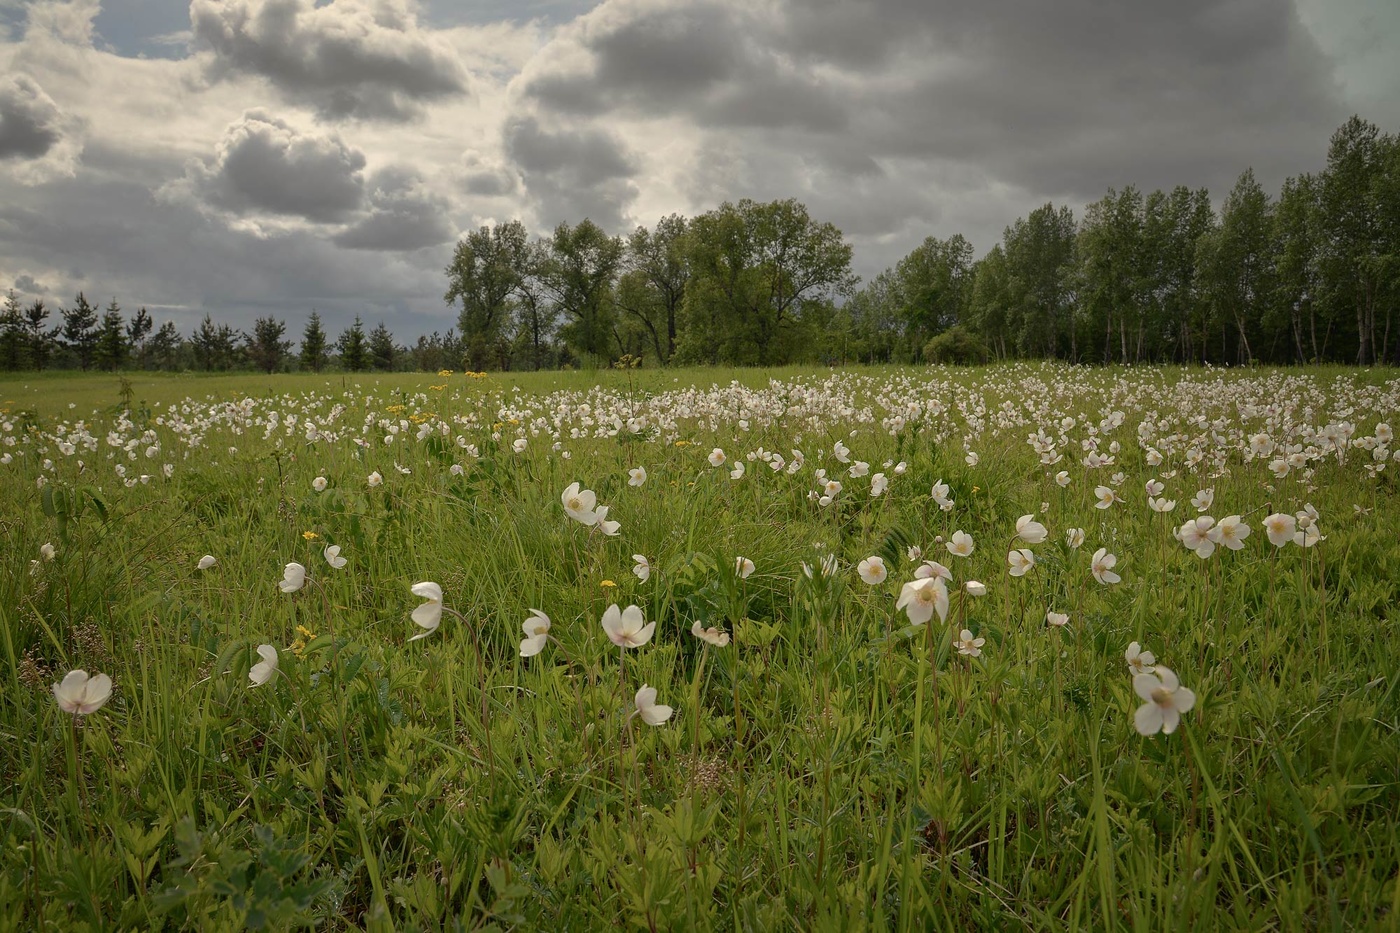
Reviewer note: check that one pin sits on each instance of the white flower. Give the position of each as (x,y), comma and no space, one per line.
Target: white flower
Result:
(711,635)
(1029,530)
(1233,531)
(717,457)
(456,469)
(1160,505)
(975,588)
(261,672)
(1280,528)
(293,578)
(1139,661)
(738,471)
(536,634)
(332,555)
(1021,561)
(972,459)
(872,570)
(319,484)
(878,484)
(915,553)
(1166,701)
(1154,488)
(636,476)
(1074,537)
(932,568)
(921,598)
(1199,535)
(642,567)
(1062,478)
(428,615)
(519,445)
(375,479)
(579,504)
(207,561)
(46,551)
(81,695)
(967,645)
(1202,500)
(609,528)
(960,544)
(1102,567)
(626,628)
(743,567)
(652,713)
(1106,497)
(1057,619)
(841,452)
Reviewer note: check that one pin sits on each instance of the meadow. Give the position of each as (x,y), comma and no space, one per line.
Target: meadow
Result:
(1026,646)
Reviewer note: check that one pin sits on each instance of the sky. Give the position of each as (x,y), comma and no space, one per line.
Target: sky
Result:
(246,158)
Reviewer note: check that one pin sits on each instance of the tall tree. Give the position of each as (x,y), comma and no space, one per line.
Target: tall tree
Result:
(111,349)
(354,355)
(578,276)
(137,331)
(485,275)
(991,306)
(80,330)
(382,351)
(40,340)
(934,285)
(313,344)
(652,290)
(754,269)
(164,347)
(1040,256)
(266,346)
(1236,262)
(12,334)
(1351,261)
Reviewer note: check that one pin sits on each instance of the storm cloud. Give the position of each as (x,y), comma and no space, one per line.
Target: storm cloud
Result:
(29,119)
(351,58)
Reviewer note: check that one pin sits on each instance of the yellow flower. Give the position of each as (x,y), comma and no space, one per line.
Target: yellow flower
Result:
(438,388)
(682,443)
(444,372)
(310,535)
(608,583)
(305,632)
(976,488)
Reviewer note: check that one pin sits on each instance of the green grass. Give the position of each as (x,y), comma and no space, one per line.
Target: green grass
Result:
(832,768)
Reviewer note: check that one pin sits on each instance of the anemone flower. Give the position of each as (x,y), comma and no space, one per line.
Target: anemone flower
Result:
(261,672)
(642,567)
(1029,530)
(1140,661)
(636,476)
(1057,619)
(428,615)
(81,695)
(609,528)
(536,634)
(743,567)
(872,570)
(921,598)
(580,504)
(1199,535)
(717,457)
(969,646)
(207,561)
(1166,701)
(293,578)
(375,479)
(652,712)
(626,628)
(1233,531)
(960,544)
(1021,561)
(975,588)
(1074,537)
(332,555)
(1102,567)
(712,636)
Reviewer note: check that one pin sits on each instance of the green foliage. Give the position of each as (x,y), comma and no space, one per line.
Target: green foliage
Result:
(956,345)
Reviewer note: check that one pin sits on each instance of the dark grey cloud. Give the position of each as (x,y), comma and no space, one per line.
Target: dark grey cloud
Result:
(102,231)
(25,284)
(404,215)
(29,119)
(706,60)
(366,59)
(265,166)
(573,173)
(1060,99)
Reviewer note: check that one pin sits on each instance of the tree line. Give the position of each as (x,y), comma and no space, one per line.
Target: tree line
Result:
(1309,275)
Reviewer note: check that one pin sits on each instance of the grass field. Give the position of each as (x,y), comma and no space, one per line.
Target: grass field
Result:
(950,736)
